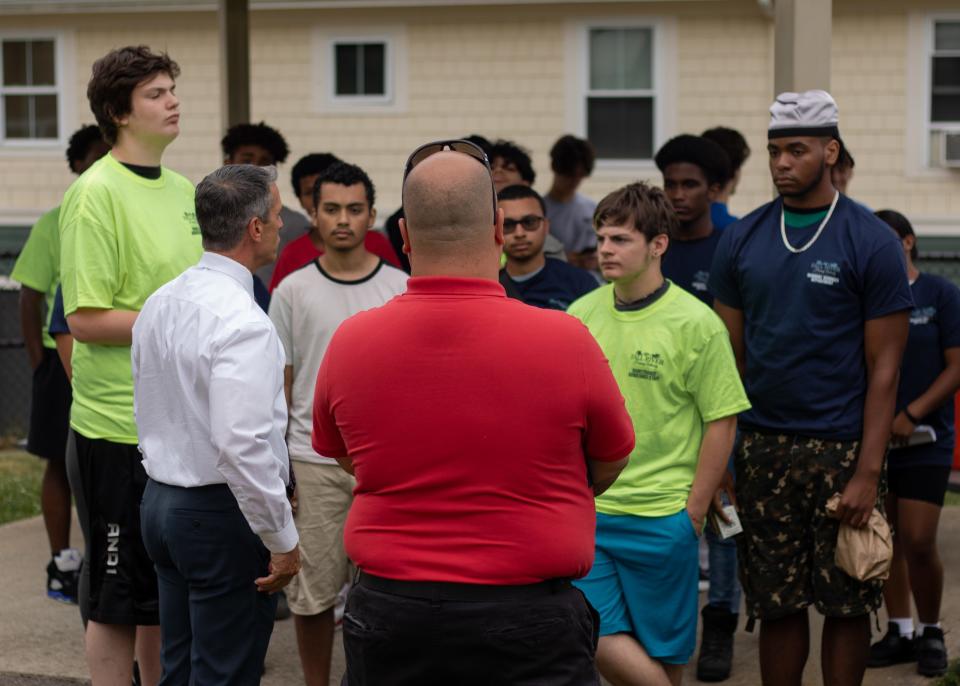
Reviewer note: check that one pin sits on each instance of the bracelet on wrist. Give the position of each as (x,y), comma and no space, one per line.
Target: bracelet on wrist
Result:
(913,420)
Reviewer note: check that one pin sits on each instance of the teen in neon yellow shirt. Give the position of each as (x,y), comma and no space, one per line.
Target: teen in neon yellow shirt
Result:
(38,266)
(673,361)
(675,367)
(123,236)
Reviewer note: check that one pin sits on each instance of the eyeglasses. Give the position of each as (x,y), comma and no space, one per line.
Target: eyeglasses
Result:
(531,222)
(461,146)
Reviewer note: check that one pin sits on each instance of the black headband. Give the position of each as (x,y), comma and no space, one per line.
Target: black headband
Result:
(817,131)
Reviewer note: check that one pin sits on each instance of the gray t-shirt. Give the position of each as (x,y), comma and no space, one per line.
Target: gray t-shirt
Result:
(572,222)
(306,309)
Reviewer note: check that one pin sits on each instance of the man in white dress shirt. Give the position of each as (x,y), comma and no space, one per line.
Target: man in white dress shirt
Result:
(215,516)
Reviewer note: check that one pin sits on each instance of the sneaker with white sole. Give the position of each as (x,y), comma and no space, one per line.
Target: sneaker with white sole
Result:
(63,576)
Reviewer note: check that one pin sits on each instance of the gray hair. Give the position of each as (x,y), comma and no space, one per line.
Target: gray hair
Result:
(228,198)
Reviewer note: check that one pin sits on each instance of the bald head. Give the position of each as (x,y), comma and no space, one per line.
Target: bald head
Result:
(448,203)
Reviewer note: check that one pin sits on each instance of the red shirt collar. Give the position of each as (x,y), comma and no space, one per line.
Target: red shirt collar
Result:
(453,285)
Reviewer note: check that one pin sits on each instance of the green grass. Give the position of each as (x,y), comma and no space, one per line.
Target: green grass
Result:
(952,677)
(20,476)
(953,498)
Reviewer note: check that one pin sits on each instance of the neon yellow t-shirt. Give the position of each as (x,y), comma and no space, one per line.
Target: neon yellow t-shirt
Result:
(38,266)
(122,237)
(675,367)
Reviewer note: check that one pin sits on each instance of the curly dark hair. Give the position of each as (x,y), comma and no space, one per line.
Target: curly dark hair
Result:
(511,152)
(480,142)
(115,75)
(570,154)
(308,165)
(732,142)
(260,134)
(80,143)
(702,152)
(344,174)
(645,206)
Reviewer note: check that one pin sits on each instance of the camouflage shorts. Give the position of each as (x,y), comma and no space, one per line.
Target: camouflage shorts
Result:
(788,543)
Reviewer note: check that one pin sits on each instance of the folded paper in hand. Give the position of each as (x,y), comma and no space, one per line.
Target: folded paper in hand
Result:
(863,553)
(923,434)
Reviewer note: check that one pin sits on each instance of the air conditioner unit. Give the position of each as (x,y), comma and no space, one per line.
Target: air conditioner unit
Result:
(950,152)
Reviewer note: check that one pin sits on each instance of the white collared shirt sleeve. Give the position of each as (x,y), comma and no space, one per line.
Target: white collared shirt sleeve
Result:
(243,388)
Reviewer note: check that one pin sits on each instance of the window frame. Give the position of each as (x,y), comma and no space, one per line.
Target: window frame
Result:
(920,127)
(372,99)
(663,90)
(63,80)
(325,42)
(931,53)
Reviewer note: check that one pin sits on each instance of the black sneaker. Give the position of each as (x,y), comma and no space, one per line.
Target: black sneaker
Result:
(63,576)
(892,649)
(931,652)
(716,644)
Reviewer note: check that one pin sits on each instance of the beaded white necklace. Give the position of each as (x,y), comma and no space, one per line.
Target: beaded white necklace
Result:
(823,224)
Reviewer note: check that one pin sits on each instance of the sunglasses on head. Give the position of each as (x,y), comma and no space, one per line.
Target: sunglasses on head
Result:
(531,222)
(456,145)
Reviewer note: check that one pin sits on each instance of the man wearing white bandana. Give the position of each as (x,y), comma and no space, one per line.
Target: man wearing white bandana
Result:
(813,289)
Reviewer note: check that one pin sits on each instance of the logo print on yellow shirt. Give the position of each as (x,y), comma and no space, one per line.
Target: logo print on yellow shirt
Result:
(191,219)
(646,365)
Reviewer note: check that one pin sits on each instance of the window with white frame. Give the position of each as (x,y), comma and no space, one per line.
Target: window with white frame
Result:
(944,103)
(621,92)
(360,69)
(29,91)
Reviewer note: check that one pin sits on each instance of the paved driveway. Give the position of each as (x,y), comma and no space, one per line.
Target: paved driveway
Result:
(42,638)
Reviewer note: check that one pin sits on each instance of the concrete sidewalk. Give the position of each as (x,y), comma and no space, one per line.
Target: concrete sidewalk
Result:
(41,643)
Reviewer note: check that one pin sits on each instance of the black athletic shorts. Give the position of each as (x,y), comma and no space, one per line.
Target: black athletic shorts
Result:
(49,408)
(925,482)
(123,582)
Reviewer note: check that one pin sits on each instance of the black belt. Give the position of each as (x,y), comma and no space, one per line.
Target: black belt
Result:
(442,590)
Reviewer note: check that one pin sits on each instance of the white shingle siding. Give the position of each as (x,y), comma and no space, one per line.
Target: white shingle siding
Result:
(500,71)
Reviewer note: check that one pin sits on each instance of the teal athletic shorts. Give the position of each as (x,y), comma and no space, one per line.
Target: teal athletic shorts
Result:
(644,582)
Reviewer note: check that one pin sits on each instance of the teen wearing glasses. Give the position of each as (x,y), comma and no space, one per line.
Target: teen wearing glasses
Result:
(538,280)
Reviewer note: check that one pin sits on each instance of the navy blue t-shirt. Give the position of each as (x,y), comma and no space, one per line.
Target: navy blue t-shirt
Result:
(58,320)
(554,287)
(687,264)
(934,327)
(261,294)
(804,314)
(720,215)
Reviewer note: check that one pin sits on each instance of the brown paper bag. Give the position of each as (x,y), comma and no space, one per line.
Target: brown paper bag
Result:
(864,553)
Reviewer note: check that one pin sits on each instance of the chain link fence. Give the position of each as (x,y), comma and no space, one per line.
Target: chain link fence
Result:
(14,367)
(946,264)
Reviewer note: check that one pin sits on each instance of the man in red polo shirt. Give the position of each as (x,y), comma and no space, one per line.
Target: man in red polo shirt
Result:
(473,507)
